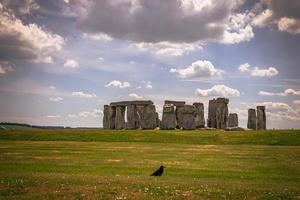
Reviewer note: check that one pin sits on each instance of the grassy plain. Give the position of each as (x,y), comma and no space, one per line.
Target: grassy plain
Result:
(107,164)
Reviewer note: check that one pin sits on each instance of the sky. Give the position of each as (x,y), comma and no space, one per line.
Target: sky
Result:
(61,61)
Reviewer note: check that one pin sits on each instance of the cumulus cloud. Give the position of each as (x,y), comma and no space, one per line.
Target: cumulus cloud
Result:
(256,71)
(53,116)
(98,36)
(118,84)
(21,7)
(25,41)
(71,63)
(6,66)
(198,69)
(148,85)
(218,90)
(55,99)
(166,48)
(2,71)
(296,102)
(87,114)
(283,14)
(83,95)
(284,93)
(136,96)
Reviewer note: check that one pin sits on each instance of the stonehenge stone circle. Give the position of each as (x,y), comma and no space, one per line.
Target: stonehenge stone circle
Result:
(233,120)
(199,115)
(261,118)
(188,117)
(168,118)
(251,119)
(177,114)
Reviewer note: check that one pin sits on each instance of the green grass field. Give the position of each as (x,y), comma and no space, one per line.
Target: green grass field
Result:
(105,164)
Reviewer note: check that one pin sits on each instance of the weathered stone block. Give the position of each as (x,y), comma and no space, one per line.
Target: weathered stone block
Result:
(149,117)
(251,119)
(188,122)
(233,120)
(168,117)
(179,116)
(199,115)
(212,118)
(133,119)
(109,114)
(261,118)
(120,117)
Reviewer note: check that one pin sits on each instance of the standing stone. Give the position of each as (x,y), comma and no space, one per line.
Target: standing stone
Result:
(251,119)
(212,118)
(120,117)
(168,117)
(149,117)
(179,116)
(109,113)
(261,118)
(133,119)
(233,120)
(199,115)
(222,113)
(188,122)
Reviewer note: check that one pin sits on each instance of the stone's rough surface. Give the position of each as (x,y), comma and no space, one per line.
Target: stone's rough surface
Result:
(179,116)
(222,113)
(133,119)
(233,120)
(127,103)
(168,117)
(251,119)
(188,121)
(199,115)
(175,103)
(261,118)
(149,117)
(212,119)
(109,117)
(120,117)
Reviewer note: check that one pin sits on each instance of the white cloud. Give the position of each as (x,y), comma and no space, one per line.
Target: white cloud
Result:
(283,14)
(25,41)
(90,114)
(72,116)
(83,95)
(166,48)
(198,69)
(52,87)
(55,99)
(218,90)
(2,71)
(47,60)
(285,93)
(71,63)
(53,116)
(296,102)
(238,29)
(257,72)
(98,36)
(136,96)
(118,84)
(148,85)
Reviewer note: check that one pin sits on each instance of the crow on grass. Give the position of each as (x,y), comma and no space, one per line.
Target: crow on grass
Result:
(158,172)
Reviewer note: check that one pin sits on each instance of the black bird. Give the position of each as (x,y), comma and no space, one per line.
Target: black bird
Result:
(158,172)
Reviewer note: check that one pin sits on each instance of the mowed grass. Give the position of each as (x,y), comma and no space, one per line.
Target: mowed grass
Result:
(106,164)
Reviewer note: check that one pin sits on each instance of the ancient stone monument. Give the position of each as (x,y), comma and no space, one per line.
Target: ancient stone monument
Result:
(199,115)
(168,117)
(218,113)
(251,119)
(261,118)
(233,120)
(177,114)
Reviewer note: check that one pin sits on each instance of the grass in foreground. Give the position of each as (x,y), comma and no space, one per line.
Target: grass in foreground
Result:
(45,164)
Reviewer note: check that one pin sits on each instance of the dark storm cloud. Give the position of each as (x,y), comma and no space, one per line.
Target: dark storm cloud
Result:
(155,21)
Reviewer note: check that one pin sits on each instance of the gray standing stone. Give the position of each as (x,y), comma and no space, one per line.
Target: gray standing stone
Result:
(251,119)
(133,119)
(120,117)
(261,118)
(188,122)
(109,114)
(212,118)
(149,117)
(168,117)
(199,115)
(179,116)
(157,120)
(222,113)
(233,120)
